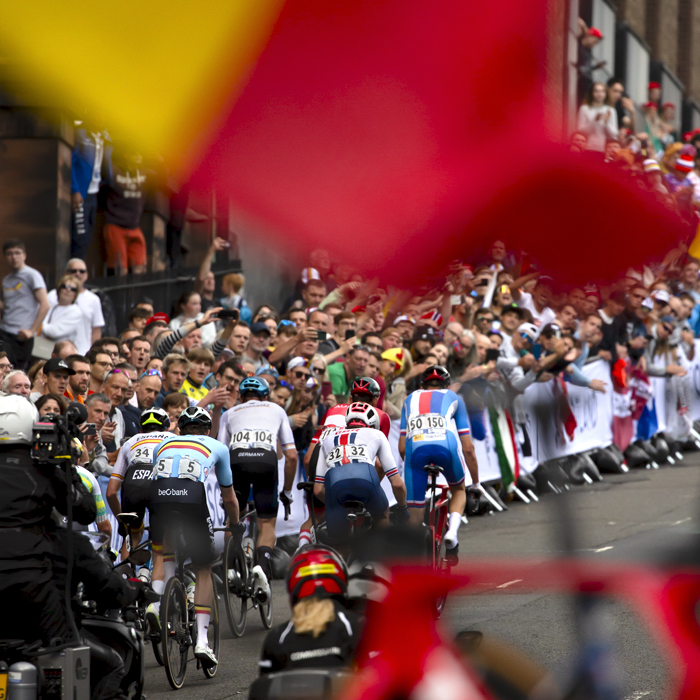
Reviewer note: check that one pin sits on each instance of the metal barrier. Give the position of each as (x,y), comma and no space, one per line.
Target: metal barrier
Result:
(162,289)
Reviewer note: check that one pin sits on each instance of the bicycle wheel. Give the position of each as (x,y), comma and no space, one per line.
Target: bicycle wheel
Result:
(235,577)
(175,633)
(440,567)
(266,611)
(213,633)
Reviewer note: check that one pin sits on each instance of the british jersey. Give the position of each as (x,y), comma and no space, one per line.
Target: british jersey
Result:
(354,445)
(192,457)
(335,418)
(428,414)
(256,425)
(138,450)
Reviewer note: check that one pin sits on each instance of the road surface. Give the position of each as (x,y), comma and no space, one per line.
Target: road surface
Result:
(624,516)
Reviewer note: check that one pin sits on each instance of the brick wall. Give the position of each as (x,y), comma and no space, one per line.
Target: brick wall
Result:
(633,12)
(662,31)
(689,46)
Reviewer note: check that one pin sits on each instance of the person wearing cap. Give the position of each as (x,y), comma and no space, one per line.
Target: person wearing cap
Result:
(396,363)
(677,178)
(154,326)
(538,302)
(661,298)
(269,374)
(588,38)
(56,373)
(652,172)
(596,118)
(259,340)
(662,359)
(405,325)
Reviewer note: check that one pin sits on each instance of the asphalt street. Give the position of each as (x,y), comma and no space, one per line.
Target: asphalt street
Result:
(627,516)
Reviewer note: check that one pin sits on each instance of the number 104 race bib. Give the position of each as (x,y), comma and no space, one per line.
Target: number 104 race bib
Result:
(251,439)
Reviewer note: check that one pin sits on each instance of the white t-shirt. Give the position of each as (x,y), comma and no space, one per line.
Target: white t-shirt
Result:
(91,306)
(63,323)
(540,319)
(694,180)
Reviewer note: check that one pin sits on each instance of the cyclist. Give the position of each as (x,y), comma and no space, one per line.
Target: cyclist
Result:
(252,430)
(132,471)
(181,465)
(435,430)
(322,632)
(363,390)
(346,471)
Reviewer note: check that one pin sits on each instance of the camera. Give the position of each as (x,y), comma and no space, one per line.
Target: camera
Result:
(53,437)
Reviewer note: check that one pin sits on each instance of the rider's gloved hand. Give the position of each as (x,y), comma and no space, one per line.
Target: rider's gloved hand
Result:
(287,498)
(401,516)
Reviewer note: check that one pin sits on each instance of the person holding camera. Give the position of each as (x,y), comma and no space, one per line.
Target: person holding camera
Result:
(29,491)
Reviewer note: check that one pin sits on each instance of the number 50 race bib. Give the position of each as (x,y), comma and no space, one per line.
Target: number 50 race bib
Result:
(427,426)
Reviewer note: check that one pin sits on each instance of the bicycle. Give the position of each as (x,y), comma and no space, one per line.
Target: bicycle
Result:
(239,582)
(179,625)
(138,556)
(436,521)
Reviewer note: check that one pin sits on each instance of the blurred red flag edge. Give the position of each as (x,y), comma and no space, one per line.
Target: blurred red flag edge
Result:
(400,136)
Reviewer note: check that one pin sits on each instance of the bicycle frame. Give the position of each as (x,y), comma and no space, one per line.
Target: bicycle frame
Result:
(436,516)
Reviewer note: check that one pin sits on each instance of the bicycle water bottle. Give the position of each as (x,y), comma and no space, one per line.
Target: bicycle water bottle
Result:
(22,683)
(190,593)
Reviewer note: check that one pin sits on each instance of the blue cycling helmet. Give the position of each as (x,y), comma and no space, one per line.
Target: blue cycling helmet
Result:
(257,386)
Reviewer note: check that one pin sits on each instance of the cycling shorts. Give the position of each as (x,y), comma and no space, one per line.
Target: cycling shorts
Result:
(136,489)
(443,453)
(256,469)
(356,481)
(180,505)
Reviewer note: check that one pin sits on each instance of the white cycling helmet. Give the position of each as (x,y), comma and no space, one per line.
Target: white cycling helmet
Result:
(363,413)
(17,417)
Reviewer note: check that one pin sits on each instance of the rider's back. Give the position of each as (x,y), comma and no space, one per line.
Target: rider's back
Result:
(321,634)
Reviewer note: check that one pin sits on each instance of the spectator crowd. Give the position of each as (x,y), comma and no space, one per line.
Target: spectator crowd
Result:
(497,325)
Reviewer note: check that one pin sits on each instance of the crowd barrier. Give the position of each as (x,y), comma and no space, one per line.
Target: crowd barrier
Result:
(543,438)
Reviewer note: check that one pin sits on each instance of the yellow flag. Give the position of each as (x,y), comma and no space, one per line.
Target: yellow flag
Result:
(156,71)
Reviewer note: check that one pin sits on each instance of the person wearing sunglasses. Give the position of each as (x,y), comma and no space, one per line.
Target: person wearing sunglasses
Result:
(89,304)
(663,359)
(65,319)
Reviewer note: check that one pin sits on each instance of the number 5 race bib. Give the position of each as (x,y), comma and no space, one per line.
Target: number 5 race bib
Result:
(252,439)
(427,426)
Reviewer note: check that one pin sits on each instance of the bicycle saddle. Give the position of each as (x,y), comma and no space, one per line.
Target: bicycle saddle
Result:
(433,469)
(129,519)
(354,506)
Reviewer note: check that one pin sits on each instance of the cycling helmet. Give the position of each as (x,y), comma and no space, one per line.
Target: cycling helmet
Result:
(17,417)
(435,373)
(365,386)
(194,415)
(318,570)
(255,385)
(362,413)
(154,419)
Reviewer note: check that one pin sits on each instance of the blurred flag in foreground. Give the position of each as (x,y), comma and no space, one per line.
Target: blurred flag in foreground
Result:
(397,134)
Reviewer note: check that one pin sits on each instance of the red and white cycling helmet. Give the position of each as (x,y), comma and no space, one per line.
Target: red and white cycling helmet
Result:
(361,413)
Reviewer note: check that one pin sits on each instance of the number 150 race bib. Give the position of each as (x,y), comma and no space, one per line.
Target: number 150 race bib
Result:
(427,426)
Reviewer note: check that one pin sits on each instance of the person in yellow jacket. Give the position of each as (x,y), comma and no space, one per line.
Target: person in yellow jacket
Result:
(201,362)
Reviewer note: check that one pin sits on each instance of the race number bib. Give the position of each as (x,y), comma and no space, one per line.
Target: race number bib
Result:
(344,454)
(163,468)
(427,426)
(252,439)
(189,469)
(142,455)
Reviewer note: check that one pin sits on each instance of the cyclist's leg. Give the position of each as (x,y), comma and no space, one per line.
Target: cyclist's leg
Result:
(199,545)
(455,475)
(338,527)
(377,503)
(265,496)
(416,483)
(134,499)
